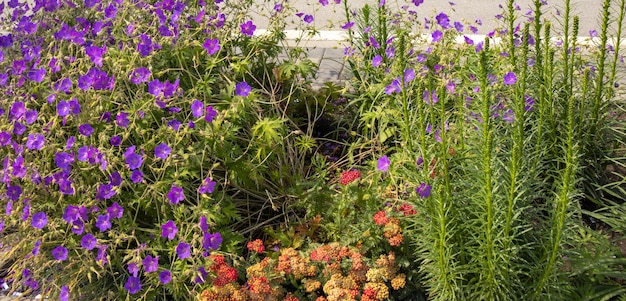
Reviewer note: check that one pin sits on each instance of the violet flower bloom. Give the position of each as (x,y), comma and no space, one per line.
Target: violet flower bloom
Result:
(134,161)
(212,46)
(212,241)
(323,2)
(169,230)
(88,242)
(95,54)
(136,176)
(176,195)
(139,75)
(64,295)
(37,75)
(59,253)
(39,220)
(383,164)
(35,141)
(115,210)
(162,151)
(165,277)
(443,20)
(437,35)
(510,79)
(394,87)
(150,264)
(377,60)
(133,269)
(133,285)
(85,129)
(242,89)
(423,190)
(248,28)
(103,222)
(308,18)
(183,250)
(63,108)
(348,25)
(63,160)
(210,114)
(105,192)
(197,108)
(14,192)
(208,186)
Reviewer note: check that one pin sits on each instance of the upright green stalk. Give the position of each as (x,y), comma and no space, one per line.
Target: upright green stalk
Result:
(597,104)
(618,40)
(511,20)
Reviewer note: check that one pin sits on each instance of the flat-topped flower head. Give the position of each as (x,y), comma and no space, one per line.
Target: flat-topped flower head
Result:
(248,28)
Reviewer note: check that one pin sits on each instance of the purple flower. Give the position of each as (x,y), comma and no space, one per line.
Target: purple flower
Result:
(212,46)
(64,295)
(197,108)
(208,186)
(134,161)
(65,85)
(308,18)
(242,89)
(36,248)
(133,285)
(103,222)
(39,220)
(377,60)
(63,108)
(443,21)
(105,192)
(30,116)
(423,190)
(409,75)
(85,129)
(133,269)
(139,75)
(162,151)
(248,28)
(168,230)
(394,87)
(165,277)
(383,164)
(459,26)
(437,35)
(14,192)
(348,25)
(323,2)
(59,253)
(211,241)
(63,160)
(71,213)
(88,242)
(37,75)
(95,54)
(78,227)
(136,176)
(209,114)
(17,111)
(176,195)
(183,250)
(150,264)
(35,141)
(593,33)
(101,257)
(115,210)
(116,140)
(510,79)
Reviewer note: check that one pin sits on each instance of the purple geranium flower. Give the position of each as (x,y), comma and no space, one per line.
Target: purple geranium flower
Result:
(88,242)
(105,192)
(35,141)
(136,176)
(212,46)
(134,161)
(37,75)
(377,60)
(162,151)
(59,253)
(165,277)
(383,164)
(168,230)
(63,108)
(39,220)
(64,295)
(63,160)
(212,241)
(176,195)
(95,54)
(510,79)
(423,190)
(308,18)
(210,114)
(208,186)
(242,89)
(443,20)
(115,210)
(248,28)
(103,222)
(197,108)
(437,35)
(133,285)
(85,129)
(183,250)
(150,264)
(139,75)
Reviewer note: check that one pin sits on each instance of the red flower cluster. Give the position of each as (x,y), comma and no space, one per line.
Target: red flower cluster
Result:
(380,218)
(407,209)
(225,273)
(349,176)
(256,246)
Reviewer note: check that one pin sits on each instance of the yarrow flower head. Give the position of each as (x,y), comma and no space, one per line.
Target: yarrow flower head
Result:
(349,176)
(256,246)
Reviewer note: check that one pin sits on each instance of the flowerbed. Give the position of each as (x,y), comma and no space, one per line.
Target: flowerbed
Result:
(163,150)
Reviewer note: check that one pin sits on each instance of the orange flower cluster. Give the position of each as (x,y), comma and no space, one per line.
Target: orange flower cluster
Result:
(330,272)
(226,274)
(256,246)
(393,231)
